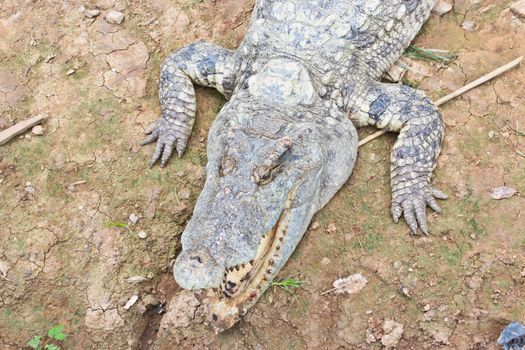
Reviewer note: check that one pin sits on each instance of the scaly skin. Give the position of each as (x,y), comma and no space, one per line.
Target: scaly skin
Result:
(305,75)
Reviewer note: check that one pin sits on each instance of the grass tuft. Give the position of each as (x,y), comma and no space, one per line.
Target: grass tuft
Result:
(429,55)
(288,284)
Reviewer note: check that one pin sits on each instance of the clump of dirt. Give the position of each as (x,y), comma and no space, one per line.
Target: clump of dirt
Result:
(74,199)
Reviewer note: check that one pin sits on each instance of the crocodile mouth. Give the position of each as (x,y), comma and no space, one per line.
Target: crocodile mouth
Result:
(244,284)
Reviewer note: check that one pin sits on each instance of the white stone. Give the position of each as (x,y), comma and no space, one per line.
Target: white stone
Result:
(142,235)
(37,130)
(468,26)
(442,7)
(131,301)
(91,13)
(133,218)
(114,17)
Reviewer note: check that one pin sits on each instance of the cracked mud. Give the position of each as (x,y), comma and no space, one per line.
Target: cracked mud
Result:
(70,254)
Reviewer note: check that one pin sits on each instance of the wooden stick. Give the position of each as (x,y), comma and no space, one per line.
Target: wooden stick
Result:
(457,93)
(19,128)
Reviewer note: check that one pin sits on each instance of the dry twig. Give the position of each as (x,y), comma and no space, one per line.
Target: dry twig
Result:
(19,128)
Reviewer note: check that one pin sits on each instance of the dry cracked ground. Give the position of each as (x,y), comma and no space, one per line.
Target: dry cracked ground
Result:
(88,232)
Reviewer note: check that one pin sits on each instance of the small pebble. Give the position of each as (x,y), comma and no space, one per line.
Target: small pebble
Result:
(314,225)
(37,130)
(150,300)
(468,26)
(142,235)
(397,265)
(184,193)
(114,17)
(442,7)
(136,279)
(180,208)
(370,338)
(131,301)
(70,71)
(29,187)
(426,307)
(91,13)
(133,218)
(326,261)
(405,291)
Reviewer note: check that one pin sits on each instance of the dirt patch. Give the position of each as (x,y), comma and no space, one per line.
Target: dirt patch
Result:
(70,255)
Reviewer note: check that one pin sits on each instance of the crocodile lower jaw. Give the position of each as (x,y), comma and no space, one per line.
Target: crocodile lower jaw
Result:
(244,284)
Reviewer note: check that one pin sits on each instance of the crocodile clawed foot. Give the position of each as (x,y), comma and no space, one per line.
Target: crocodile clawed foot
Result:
(168,140)
(412,206)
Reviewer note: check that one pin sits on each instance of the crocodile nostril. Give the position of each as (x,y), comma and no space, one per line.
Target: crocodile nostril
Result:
(196,261)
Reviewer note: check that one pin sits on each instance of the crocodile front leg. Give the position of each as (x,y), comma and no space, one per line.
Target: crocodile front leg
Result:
(401,108)
(203,63)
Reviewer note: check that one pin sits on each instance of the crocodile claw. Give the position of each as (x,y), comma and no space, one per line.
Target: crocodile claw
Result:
(168,140)
(412,206)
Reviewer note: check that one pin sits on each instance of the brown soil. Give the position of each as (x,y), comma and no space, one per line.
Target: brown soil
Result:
(66,260)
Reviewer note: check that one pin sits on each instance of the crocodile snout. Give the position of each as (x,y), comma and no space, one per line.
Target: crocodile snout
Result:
(197,269)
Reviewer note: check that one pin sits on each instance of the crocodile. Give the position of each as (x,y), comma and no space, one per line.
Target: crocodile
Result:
(305,76)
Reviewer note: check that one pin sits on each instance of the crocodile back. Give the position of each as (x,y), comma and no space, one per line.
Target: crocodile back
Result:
(369,33)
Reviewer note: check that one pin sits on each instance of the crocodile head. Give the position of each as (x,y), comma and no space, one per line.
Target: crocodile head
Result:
(266,177)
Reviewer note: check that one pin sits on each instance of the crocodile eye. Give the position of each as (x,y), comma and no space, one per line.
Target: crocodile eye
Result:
(227,166)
